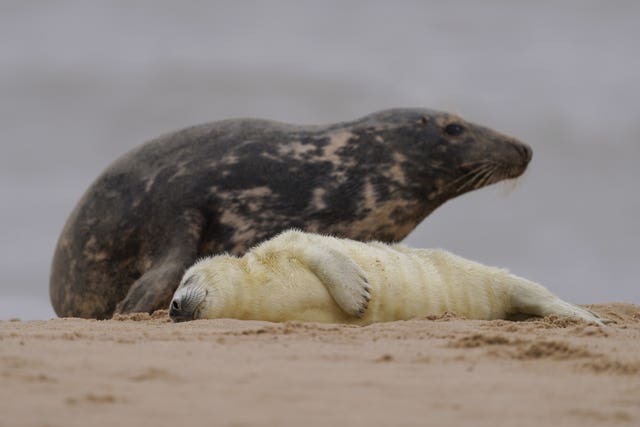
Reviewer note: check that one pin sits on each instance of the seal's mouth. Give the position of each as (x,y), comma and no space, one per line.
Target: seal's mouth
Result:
(486,172)
(198,310)
(177,315)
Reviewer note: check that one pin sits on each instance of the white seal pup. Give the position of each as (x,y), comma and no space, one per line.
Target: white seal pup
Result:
(310,277)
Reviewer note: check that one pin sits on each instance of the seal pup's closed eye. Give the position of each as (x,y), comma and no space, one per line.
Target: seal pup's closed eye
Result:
(309,277)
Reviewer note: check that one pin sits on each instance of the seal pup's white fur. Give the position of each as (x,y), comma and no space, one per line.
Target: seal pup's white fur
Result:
(310,277)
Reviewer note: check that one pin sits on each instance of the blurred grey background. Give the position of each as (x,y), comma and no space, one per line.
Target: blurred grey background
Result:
(83,82)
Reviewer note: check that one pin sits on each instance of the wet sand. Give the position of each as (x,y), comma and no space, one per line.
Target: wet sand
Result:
(142,369)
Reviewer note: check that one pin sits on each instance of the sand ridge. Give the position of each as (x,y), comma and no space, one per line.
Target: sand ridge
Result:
(141,368)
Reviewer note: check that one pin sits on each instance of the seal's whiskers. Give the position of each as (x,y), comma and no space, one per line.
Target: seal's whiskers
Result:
(509,185)
(474,175)
(465,178)
(485,177)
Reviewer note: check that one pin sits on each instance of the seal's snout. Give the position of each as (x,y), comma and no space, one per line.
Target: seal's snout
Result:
(177,314)
(525,152)
(515,158)
(186,303)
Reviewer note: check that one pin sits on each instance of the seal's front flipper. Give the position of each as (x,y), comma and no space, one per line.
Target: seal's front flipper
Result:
(153,290)
(169,260)
(344,279)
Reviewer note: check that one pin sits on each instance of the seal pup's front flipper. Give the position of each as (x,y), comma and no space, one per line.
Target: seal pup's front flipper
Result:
(154,289)
(343,278)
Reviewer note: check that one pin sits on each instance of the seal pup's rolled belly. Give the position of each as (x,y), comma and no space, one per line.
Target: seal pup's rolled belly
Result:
(309,277)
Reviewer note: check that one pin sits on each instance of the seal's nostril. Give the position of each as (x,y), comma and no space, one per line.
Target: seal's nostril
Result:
(524,151)
(175,305)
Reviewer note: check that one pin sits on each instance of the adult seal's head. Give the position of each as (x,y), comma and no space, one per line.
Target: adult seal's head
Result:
(442,154)
(225,186)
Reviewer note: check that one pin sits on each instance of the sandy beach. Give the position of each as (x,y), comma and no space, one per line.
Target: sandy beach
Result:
(84,82)
(142,369)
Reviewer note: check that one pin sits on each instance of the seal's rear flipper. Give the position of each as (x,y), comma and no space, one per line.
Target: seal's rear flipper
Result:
(565,309)
(602,319)
(530,298)
(154,289)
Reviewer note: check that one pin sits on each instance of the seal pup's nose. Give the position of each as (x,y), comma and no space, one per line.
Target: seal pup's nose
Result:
(177,314)
(187,302)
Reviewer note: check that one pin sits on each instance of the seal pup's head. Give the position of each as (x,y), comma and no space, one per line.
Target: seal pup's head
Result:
(205,288)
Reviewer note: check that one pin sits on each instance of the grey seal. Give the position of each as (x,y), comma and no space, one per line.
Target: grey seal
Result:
(228,185)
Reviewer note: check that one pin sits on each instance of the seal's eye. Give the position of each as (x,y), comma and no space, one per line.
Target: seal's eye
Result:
(189,281)
(453,129)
